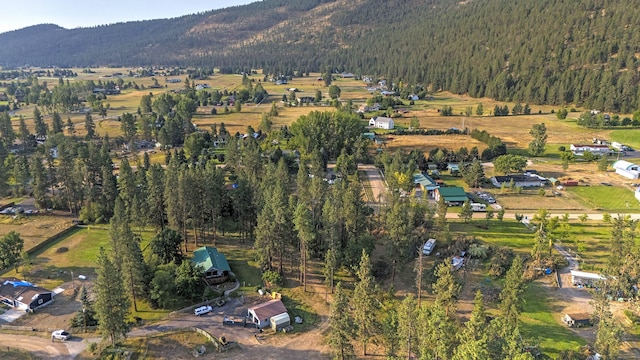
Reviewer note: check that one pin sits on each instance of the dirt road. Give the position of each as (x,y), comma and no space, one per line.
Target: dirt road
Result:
(42,348)
(376,181)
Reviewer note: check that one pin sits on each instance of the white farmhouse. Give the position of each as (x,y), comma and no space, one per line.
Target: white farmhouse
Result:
(627,169)
(580,149)
(382,122)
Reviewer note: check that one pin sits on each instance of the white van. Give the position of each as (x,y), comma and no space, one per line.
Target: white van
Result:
(202,310)
(428,247)
(478,207)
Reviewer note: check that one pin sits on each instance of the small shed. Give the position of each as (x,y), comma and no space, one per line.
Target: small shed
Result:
(454,169)
(554,182)
(281,321)
(261,314)
(627,169)
(577,320)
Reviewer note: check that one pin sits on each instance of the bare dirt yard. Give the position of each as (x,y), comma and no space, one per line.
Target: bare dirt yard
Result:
(34,229)
(252,343)
(54,316)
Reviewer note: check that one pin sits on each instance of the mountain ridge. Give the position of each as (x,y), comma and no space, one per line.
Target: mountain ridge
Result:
(544,52)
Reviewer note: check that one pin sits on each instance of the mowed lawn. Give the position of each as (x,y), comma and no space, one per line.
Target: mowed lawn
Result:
(592,243)
(508,232)
(537,322)
(77,252)
(606,198)
(242,260)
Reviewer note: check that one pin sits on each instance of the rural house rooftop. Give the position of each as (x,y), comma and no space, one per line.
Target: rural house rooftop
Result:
(208,257)
(268,309)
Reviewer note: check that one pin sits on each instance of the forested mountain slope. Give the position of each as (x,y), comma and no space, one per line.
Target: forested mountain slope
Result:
(544,51)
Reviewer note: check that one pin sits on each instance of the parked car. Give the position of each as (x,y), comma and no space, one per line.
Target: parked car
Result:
(220,302)
(203,310)
(60,335)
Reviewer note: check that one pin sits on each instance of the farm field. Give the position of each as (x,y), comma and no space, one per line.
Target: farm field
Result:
(607,198)
(513,130)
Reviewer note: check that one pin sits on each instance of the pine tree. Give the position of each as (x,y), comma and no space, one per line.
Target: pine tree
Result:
(407,315)
(341,329)
(511,295)
(363,303)
(474,339)
(89,126)
(447,288)
(112,302)
(539,134)
(40,125)
(6,128)
(57,124)
(306,235)
(466,213)
(40,182)
(608,331)
(442,213)
(71,128)
(86,316)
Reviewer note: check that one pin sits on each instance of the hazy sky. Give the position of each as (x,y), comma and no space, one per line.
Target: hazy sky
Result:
(16,14)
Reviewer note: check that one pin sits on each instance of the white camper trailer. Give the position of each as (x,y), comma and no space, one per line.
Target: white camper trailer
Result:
(477,207)
(428,247)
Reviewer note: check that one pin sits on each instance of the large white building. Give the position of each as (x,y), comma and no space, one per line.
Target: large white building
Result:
(627,169)
(382,122)
(580,149)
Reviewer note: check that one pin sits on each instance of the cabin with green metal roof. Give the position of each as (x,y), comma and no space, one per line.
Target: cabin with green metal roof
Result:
(213,263)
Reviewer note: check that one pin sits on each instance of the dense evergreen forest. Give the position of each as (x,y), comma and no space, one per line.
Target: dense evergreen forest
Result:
(540,52)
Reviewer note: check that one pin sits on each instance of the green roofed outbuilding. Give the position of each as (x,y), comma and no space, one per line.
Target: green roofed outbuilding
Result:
(213,263)
(453,195)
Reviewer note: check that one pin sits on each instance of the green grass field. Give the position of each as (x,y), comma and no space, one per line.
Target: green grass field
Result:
(242,262)
(606,198)
(508,233)
(537,322)
(630,137)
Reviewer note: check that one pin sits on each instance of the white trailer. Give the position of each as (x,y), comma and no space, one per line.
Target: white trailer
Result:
(617,146)
(428,247)
(477,207)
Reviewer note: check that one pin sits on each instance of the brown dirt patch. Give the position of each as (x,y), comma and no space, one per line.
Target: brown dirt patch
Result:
(427,143)
(174,346)
(33,229)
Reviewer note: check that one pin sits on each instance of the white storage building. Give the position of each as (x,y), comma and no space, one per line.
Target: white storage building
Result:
(627,169)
